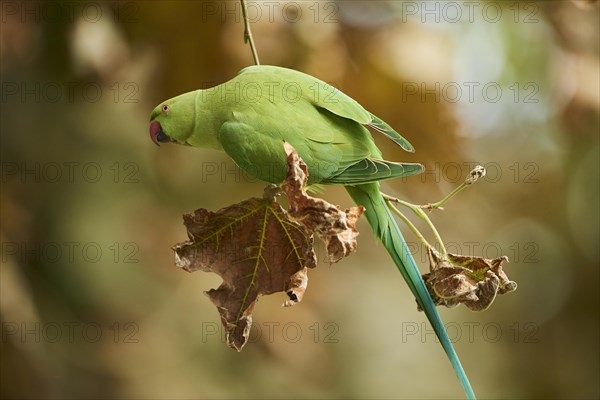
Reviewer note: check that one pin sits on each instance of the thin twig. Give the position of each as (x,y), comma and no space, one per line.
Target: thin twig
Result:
(475,174)
(408,223)
(248,33)
(421,214)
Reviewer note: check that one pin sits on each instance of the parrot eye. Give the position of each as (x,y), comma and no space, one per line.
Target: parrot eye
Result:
(166,108)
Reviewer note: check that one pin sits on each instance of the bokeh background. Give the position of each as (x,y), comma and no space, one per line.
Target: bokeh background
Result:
(91,303)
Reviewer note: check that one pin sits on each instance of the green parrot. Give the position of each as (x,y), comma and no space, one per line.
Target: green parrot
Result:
(250,116)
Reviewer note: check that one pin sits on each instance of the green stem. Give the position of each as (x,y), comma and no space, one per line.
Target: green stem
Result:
(440,204)
(410,225)
(248,33)
(475,174)
(421,214)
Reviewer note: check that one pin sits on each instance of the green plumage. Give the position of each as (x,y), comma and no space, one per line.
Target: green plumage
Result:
(251,115)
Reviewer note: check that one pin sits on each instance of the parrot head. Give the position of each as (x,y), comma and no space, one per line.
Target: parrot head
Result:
(173,120)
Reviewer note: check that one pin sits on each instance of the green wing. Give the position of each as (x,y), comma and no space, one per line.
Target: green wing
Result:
(382,127)
(258,150)
(370,170)
(258,154)
(340,104)
(325,126)
(263,157)
(325,96)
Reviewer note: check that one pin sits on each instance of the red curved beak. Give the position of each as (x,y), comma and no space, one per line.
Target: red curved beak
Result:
(155,131)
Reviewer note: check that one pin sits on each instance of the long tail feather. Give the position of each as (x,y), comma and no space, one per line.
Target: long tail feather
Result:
(384,225)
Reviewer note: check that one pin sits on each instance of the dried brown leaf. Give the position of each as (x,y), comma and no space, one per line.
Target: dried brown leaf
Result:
(256,249)
(336,228)
(472,281)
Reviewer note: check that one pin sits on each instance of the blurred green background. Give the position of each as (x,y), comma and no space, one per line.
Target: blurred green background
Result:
(91,303)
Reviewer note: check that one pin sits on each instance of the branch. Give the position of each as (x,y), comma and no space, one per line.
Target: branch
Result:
(475,174)
(412,227)
(421,214)
(248,33)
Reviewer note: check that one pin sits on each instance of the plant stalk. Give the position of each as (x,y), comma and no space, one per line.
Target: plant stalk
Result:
(248,33)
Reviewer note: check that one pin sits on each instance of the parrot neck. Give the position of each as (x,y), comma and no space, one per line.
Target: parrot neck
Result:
(207,122)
